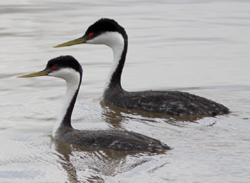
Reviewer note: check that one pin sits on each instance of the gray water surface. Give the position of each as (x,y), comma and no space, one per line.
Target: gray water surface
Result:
(201,47)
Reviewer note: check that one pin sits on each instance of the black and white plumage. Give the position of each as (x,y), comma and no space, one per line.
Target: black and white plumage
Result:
(68,68)
(109,32)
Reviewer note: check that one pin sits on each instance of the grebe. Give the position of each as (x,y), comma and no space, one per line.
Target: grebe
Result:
(109,32)
(68,68)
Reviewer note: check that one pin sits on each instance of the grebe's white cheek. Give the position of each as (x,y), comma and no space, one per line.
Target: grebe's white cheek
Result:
(57,74)
(111,39)
(68,74)
(96,40)
(53,73)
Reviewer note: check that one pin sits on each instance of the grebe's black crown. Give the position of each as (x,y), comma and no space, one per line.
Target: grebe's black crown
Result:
(106,25)
(65,62)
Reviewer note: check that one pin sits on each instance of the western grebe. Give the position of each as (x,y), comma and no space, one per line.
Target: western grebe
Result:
(109,32)
(68,68)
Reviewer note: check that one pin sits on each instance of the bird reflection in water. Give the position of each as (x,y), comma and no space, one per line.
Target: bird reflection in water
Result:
(116,116)
(82,164)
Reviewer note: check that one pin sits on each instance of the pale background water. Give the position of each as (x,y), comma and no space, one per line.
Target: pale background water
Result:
(201,47)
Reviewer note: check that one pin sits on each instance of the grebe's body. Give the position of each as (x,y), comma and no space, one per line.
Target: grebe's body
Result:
(67,68)
(168,102)
(110,33)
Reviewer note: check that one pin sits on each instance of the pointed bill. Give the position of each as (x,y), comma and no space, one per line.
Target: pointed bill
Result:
(73,42)
(41,73)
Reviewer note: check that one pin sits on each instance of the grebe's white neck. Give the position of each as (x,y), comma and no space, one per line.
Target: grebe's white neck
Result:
(116,42)
(73,80)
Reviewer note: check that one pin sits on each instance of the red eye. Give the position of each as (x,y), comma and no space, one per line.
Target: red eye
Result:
(91,34)
(53,68)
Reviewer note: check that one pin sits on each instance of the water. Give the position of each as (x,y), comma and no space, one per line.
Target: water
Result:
(201,47)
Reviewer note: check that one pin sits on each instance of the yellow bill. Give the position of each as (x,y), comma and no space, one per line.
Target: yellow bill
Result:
(73,42)
(41,73)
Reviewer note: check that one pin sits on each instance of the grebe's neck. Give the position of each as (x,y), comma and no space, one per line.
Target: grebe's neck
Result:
(119,57)
(119,44)
(73,82)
